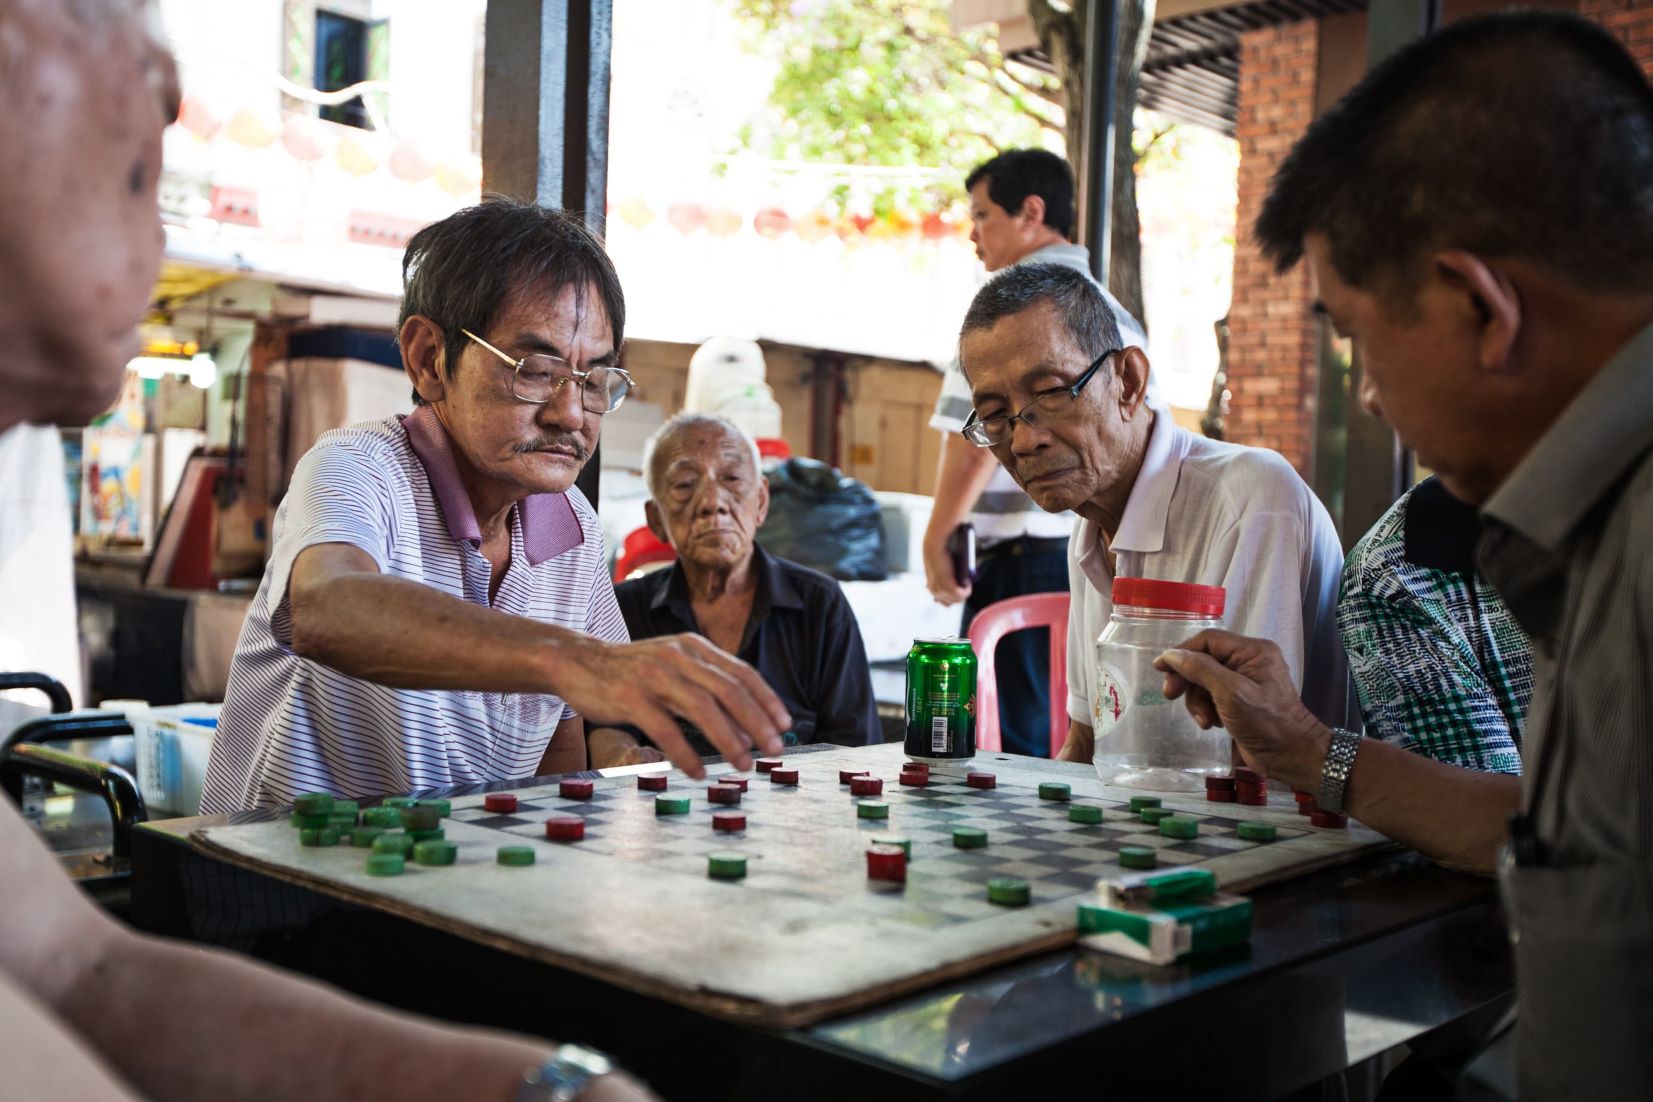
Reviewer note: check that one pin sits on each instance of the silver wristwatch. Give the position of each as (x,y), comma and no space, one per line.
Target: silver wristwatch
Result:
(564,1076)
(1340,761)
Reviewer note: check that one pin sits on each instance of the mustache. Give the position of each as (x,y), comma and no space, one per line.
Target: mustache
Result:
(555,440)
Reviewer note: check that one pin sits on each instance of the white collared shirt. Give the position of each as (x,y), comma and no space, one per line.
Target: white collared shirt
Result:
(1213,513)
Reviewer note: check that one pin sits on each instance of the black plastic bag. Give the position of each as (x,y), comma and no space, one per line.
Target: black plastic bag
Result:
(824,520)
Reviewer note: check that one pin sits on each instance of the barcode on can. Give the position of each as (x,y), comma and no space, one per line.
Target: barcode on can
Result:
(939,742)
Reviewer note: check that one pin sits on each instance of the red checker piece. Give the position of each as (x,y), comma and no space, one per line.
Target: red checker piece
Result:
(1251,800)
(1328,819)
(1302,797)
(783,776)
(846,776)
(1245,775)
(729,821)
(981,780)
(1245,788)
(730,778)
(723,794)
(1307,808)
(576,790)
(914,767)
(867,786)
(916,780)
(886,863)
(652,782)
(565,828)
(1219,782)
(1222,795)
(502,803)
(768,765)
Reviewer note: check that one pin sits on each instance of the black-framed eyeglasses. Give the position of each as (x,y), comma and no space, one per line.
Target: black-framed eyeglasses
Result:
(538,378)
(1052,404)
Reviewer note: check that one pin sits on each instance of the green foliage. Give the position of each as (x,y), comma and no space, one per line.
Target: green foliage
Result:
(889,83)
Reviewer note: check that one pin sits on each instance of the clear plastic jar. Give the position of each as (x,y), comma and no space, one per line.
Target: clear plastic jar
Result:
(1142,739)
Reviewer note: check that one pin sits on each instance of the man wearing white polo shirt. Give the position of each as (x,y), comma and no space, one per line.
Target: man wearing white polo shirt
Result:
(437,608)
(1061,404)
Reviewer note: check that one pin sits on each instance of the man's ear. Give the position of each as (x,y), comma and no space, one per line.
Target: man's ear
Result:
(1033,211)
(1493,300)
(1132,368)
(423,351)
(656,523)
(763,498)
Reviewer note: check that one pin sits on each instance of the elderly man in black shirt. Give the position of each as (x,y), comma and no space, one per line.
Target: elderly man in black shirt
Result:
(707,499)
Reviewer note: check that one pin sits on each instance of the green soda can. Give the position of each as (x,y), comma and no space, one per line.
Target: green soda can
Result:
(941,700)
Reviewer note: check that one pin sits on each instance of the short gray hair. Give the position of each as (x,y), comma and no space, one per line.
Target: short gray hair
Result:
(1089,319)
(681,422)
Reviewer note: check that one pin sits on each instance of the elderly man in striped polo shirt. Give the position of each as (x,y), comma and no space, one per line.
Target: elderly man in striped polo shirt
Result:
(437,608)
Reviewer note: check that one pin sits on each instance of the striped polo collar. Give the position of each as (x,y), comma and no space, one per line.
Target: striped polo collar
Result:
(549,526)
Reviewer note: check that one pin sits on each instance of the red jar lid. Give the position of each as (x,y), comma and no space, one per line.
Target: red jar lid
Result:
(1204,600)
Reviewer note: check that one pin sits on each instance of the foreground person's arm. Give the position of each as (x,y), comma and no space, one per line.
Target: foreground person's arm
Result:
(1457,817)
(182,1023)
(396,632)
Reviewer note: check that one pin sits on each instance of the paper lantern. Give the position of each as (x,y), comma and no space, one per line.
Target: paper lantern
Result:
(301,136)
(635,213)
(354,157)
(408,162)
(196,117)
(771,222)
(814,226)
(248,128)
(724,222)
(459,178)
(686,217)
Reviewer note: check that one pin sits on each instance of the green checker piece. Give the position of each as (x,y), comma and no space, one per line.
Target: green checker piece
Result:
(443,807)
(1054,790)
(890,840)
(1179,826)
(1255,832)
(342,822)
(969,837)
(671,805)
(726,866)
(435,851)
(365,836)
(1152,815)
(387,817)
(1138,857)
(420,818)
(393,842)
(318,836)
(435,834)
(1085,813)
(1007,891)
(398,802)
(313,803)
(385,864)
(1139,803)
(310,822)
(872,809)
(516,856)
(345,807)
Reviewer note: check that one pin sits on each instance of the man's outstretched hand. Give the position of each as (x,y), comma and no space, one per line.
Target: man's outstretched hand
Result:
(1243,685)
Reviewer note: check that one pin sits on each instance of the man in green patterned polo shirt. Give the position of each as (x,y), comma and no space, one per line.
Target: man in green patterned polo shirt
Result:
(1442,667)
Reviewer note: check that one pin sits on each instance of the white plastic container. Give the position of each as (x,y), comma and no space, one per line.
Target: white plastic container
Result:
(1144,740)
(171,748)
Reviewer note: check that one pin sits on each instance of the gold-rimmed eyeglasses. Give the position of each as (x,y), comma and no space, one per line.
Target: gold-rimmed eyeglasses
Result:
(994,431)
(538,378)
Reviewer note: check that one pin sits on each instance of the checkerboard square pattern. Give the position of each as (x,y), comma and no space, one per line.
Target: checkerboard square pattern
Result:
(808,842)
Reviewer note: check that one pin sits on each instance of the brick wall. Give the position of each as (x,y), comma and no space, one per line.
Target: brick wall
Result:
(1630,20)
(1272,334)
